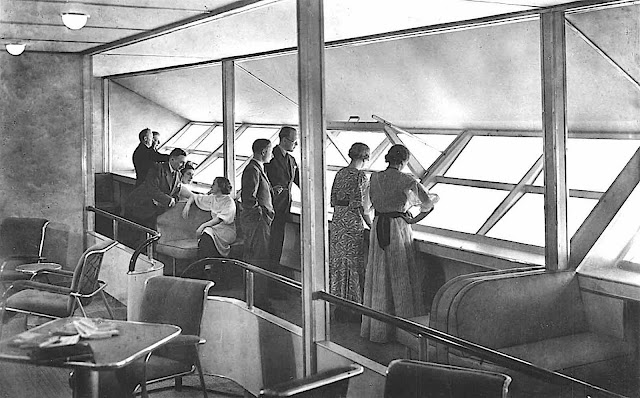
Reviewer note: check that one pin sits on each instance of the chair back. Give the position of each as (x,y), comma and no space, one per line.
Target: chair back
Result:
(22,236)
(175,301)
(415,379)
(85,276)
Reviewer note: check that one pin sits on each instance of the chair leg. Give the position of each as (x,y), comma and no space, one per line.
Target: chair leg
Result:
(178,383)
(201,375)
(106,304)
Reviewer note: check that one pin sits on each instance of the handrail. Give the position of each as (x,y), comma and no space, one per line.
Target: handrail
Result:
(153,235)
(491,355)
(420,330)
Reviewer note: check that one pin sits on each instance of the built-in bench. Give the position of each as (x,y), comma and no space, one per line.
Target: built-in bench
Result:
(178,239)
(531,314)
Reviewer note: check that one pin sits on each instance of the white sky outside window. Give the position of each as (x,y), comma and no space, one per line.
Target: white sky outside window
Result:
(524,223)
(212,141)
(380,164)
(188,137)
(245,140)
(502,159)
(215,169)
(462,208)
(593,164)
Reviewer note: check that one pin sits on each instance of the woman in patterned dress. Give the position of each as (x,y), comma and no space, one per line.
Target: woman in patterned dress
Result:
(350,201)
(391,283)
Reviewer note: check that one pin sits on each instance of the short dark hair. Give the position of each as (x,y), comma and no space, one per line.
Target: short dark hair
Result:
(224,184)
(260,144)
(359,151)
(285,131)
(177,152)
(142,133)
(188,166)
(397,154)
(155,133)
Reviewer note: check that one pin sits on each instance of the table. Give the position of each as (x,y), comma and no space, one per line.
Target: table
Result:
(134,341)
(33,268)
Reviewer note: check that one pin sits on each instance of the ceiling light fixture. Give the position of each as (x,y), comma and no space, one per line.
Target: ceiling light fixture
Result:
(74,20)
(15,48)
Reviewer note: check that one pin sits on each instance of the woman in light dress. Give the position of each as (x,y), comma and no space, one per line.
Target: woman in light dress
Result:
(351,206)
(216,235)
(392,284)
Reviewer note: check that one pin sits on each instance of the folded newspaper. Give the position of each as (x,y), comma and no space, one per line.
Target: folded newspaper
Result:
(95,328)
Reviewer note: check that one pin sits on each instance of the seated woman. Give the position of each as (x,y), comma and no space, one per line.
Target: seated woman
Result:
(187,176)
(216,235)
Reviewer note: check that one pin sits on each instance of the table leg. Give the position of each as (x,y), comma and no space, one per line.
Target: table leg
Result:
(86,383)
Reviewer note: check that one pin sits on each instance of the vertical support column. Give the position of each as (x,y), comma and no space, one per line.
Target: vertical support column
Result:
(88,178)
(312,136)
(106,126)
(554,131)
(228,120)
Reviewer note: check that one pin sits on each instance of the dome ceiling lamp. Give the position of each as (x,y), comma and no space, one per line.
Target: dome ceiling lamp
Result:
(15,48)
(74,20)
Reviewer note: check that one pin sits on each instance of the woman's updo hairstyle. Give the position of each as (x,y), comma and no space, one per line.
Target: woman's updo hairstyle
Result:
(359,151)
(397,154)
(188,166)
(224,184)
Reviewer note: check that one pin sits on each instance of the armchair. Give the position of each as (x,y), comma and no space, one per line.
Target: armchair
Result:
(176,301)
(60,299)
(21,241)
(409,379)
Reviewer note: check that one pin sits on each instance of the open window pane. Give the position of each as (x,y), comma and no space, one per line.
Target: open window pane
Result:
(462,208)
(501,159)
(426,147)
(593,164)
(334,158)
(212,141)
(196,158)
(379,164)
(187,139)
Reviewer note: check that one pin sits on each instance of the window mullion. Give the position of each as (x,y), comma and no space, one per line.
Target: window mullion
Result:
(446,159)
(414,164)
(516,193)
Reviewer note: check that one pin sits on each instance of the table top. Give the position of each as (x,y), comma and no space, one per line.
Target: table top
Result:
(32,268)
(135,339)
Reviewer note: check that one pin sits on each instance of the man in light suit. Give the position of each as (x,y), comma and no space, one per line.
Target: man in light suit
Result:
(158,192)
(283,172)
(257,214)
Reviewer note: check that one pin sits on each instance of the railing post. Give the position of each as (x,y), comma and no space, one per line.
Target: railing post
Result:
(150,249)
(248,286)
(114,228)
(423,348)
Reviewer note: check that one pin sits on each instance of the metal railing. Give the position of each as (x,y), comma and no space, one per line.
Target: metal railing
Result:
(423,332)
(152,235)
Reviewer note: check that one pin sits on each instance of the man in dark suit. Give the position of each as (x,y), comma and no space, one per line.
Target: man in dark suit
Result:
(158,192)
(257,214)
(283,172)
(145,156)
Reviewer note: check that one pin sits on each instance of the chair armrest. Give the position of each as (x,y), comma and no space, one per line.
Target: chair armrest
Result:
(58,272)
(313,382)
(186,339)
(21,285)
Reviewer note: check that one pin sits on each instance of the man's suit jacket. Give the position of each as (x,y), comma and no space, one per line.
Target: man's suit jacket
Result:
(153,196)
(282,171)
(143,159)
(256,194)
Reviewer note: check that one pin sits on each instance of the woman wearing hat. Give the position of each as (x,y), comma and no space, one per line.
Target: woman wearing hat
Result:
(391,285)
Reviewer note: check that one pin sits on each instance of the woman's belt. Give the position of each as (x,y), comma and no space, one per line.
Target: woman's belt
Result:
(383,227)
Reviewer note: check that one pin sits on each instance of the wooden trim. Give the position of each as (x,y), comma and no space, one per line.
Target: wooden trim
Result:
(228,116)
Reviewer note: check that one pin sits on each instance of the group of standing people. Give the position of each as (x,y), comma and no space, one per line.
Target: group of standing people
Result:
(387,282)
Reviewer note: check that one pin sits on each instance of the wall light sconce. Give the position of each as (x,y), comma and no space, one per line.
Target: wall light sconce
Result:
(15,48)
(74,20)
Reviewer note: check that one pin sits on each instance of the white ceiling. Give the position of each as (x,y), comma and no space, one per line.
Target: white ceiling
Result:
(247,26)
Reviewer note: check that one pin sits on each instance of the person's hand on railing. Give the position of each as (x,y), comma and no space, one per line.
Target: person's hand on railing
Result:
(200,229)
